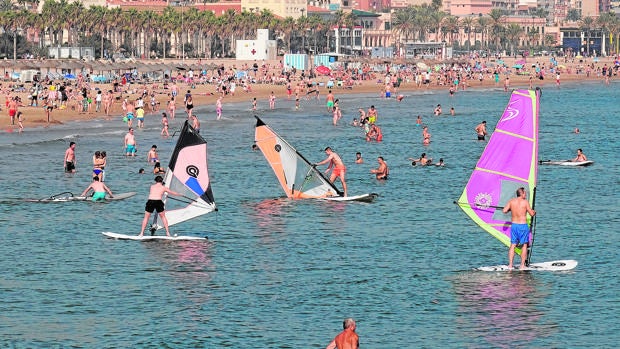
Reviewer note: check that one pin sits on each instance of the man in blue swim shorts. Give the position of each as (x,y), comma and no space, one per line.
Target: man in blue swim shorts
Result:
(130,143)
(519,230)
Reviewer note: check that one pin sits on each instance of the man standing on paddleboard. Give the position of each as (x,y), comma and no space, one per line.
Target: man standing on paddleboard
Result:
(519,229)
(155,203)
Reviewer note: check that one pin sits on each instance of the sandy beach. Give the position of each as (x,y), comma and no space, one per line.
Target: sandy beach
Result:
(206,95)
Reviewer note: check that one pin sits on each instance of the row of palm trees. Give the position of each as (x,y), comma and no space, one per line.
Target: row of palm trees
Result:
(202,34)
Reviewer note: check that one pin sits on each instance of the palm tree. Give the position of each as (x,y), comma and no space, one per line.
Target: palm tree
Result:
(586,24)
(467,23)
(497,26)
(513,35)
(605,21)
(483,25)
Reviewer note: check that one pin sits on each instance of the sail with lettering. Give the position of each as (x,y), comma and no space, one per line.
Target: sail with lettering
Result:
(298,178)
(188,174)
(509,161)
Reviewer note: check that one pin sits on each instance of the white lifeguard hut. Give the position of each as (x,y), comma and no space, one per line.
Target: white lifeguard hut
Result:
(259,49)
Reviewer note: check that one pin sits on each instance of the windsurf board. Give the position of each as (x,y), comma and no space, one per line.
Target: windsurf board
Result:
(561,265)
(363,198)
(566,163)
(147,237)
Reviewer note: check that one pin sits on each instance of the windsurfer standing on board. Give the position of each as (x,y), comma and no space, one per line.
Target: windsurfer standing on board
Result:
(347,339)
(155,203)
(336,163)
(519,230)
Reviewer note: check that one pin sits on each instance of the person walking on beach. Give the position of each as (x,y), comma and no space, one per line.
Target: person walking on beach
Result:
(272,101)
(70,158)
(336,166)
(481,130)
(155,203)
(130,143)
(99,190)
(347,339)
(519,229)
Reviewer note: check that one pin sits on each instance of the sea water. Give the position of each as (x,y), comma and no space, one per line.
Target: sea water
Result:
(278,273)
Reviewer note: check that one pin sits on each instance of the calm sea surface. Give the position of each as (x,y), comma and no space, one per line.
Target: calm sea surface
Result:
(283,274)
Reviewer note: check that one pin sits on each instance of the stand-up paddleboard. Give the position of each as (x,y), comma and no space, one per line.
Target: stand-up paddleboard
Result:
(566,163)
(153,237)
(562,265)
(363,198)
(68,196)
(297,176)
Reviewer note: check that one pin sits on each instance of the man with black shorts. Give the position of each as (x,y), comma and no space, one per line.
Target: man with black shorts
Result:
(481,130)
(155,203)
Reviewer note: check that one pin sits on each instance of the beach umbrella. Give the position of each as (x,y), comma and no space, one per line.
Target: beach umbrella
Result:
(422,66)
(323,70)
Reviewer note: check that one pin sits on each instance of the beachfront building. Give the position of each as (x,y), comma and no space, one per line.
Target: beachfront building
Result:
(369,30)
(280,8)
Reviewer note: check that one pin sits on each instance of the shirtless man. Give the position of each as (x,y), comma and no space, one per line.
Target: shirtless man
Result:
(372,115)
(335,163)
(130,143)
(481,130)
(347,339)
(382,171)
(70,158)
(519,230)
(329,100)
(99,190)
(152,155)
(155,203)
(580,156)
(358,158)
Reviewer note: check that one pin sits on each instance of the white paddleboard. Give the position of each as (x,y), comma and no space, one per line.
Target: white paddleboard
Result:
(148,237)
(364,198)
(561,265)
(565,163)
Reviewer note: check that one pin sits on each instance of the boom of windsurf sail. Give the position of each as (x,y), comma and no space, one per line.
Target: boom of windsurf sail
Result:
(188,174)
(298,178)
(509,161)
